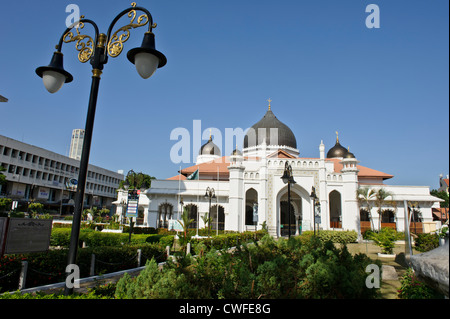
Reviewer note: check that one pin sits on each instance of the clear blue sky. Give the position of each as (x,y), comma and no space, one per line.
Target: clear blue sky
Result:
(385,90)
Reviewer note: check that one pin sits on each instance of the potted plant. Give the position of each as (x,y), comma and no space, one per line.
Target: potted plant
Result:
(385,238)
(443,235)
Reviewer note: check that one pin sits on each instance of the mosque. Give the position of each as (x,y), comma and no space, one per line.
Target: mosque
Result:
(246,189)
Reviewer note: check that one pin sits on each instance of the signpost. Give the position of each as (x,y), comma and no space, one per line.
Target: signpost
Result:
(26,235)
(3,225)
(133,203)
(132,208)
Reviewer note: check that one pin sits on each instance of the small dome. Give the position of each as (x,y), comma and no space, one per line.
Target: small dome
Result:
(267,124)
(337,150)
(209,148)
(349,155)
(236,152)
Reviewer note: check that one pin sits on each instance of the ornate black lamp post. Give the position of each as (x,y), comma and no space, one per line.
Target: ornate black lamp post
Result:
(146,59)
(210,193)
(314,198)
(288,178)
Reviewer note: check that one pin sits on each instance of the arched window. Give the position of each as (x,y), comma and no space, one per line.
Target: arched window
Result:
(251,197)
(364,215)
(335,209)
(164,214)
(388,216)
(192,209)
(217,223)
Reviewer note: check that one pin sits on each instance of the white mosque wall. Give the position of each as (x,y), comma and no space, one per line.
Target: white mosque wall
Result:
(264,177)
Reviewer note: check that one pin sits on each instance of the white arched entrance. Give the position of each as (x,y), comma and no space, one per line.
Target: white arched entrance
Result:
(300,210)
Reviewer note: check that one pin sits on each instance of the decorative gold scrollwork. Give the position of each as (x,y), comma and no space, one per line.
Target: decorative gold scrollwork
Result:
(85,49)
(115,44)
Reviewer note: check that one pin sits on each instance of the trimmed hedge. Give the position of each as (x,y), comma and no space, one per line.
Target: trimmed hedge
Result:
(61,237)
(426,242)
(227,240)
(343,237)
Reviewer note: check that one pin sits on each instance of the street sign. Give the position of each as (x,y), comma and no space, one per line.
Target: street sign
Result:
(133,203)
(132,209)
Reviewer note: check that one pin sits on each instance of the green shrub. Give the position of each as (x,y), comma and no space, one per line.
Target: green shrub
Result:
(412,288)
(268,269)
(61,237)
(226,240)
(385,239)
(153,238)
(426,242)
(140,230)
(49,267)
(167,240)
(335,236)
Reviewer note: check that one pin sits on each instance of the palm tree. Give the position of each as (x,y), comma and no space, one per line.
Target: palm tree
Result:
(206,220)
(365,195)
(185,222)
(381,196)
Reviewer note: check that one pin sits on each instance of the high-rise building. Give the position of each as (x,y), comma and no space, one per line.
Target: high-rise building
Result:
(76,144)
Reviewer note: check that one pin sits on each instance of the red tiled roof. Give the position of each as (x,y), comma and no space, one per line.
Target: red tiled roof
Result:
(221,164)
(281,154)
(363,171)
(440,213)
(177,177)
(210,168)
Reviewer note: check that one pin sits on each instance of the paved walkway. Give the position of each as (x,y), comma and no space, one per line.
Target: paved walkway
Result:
(393,268)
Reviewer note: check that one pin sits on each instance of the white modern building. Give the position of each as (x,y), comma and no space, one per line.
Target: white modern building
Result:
(250,182)
(34,173)
(76,144)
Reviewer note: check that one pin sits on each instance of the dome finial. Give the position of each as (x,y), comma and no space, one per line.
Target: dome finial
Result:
(337,137)
(269,100)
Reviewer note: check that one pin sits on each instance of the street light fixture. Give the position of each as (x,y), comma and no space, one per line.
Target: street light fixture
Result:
(97,51)
(288,178)
(316,205)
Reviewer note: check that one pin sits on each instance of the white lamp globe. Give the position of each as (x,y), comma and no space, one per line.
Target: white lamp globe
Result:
(53,80)
(146,64)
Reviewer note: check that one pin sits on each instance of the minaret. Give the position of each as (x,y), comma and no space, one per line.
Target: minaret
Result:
(236,218)
(323,187)
(350,211)
(322,150)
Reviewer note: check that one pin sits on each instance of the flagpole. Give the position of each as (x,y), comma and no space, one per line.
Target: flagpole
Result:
(179,202)
(217,206)
(198,194)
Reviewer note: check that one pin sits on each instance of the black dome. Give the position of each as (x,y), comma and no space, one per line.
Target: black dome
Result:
(268,122)
(349,154)
(236,152)
(338,150)
(209,148)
